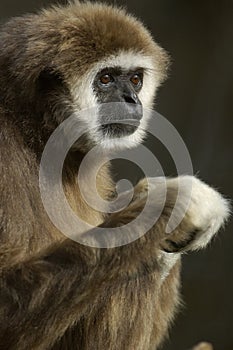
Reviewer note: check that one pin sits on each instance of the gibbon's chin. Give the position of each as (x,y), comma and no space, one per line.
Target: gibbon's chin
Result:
(117,130)
(120,137)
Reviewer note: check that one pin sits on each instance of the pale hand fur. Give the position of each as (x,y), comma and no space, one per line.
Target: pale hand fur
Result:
(207,208)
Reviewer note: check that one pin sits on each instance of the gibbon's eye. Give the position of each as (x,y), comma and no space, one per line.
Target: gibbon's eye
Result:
(106,79)
(136,79)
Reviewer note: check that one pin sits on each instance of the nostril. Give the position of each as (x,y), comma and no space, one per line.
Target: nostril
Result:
(129,99)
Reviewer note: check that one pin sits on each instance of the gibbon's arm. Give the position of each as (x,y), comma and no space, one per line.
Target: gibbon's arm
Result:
(57,285)
(42,297)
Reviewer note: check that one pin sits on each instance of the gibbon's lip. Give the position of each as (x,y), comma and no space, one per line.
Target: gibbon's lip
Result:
(122,122)
(133,122)
(120,129)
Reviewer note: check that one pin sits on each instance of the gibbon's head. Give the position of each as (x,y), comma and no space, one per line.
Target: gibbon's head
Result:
(84,55)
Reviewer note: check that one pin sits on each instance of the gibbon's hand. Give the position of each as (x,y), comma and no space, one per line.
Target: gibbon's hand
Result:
(207,211)
(198,212)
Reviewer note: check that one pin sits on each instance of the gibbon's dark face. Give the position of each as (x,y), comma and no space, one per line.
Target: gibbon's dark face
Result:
(117,92)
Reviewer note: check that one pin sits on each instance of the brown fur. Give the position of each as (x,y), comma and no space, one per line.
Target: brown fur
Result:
(55,293)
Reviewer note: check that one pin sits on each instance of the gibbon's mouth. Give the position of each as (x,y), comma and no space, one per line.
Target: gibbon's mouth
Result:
(120,129)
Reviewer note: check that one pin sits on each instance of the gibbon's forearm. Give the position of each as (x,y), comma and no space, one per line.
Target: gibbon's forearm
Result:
(49,287)
(57,285)
(61,282)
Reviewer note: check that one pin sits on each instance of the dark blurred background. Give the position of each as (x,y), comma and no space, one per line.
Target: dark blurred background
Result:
(198,100)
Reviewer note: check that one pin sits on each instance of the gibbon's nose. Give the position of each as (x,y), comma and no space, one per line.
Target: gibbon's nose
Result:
(131,98)
(133,106)
(129,95)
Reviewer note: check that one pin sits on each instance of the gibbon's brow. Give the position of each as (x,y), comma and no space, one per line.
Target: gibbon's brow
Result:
(119,71)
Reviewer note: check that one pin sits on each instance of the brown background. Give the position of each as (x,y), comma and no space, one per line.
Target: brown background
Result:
(198,100)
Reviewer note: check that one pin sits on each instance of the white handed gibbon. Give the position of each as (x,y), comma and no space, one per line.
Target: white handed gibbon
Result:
(56,293)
